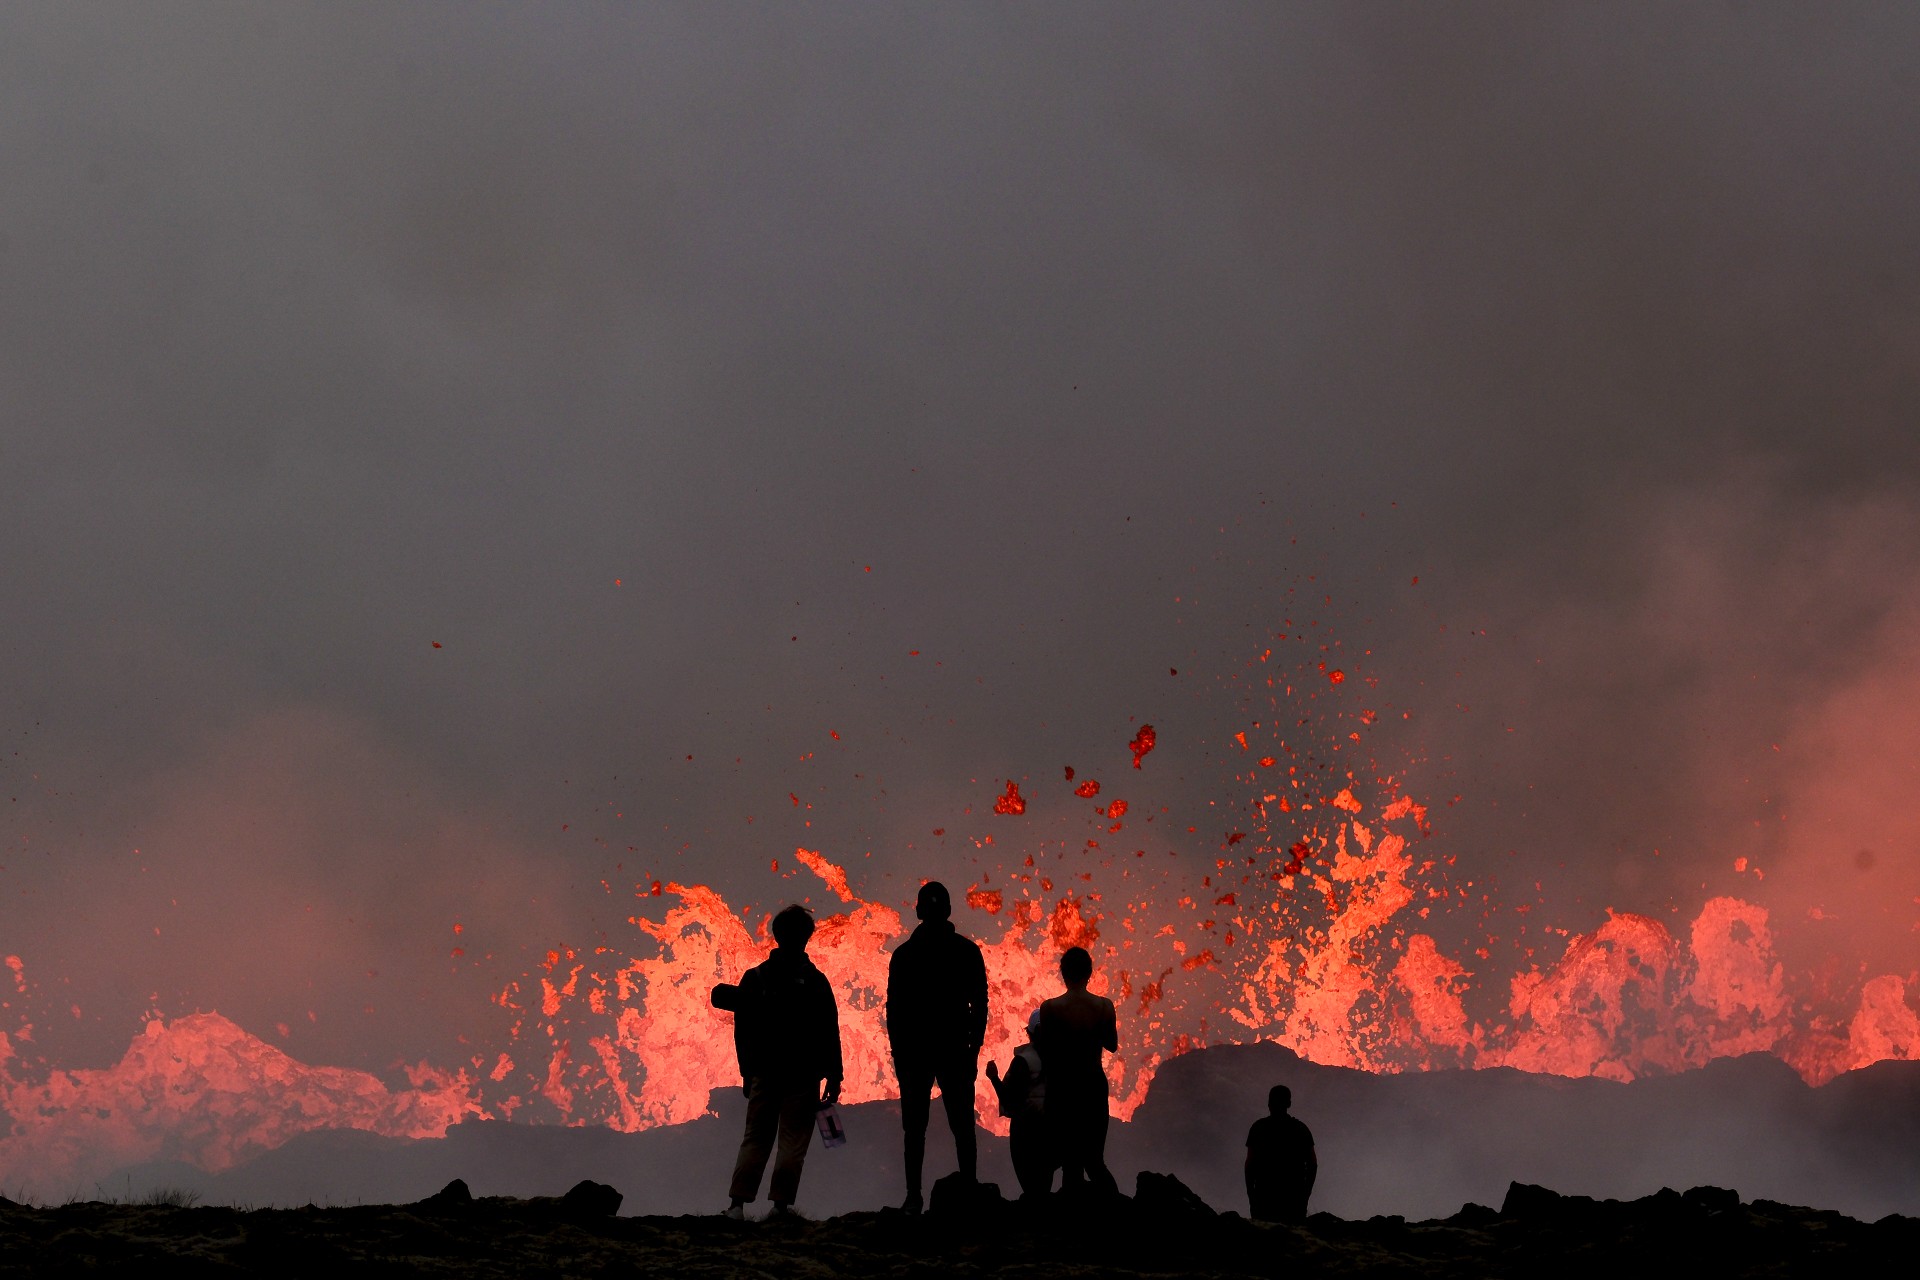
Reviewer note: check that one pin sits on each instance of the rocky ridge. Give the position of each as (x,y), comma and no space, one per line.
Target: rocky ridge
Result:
(1163,1230)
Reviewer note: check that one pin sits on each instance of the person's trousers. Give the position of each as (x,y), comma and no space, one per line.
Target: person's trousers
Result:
(785,1108)
(1078,1124)
(955,1077)
(1284,1203)
(1032,1152)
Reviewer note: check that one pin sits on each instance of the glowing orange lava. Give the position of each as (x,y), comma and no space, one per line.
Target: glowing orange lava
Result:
(1331,967)
(201,1090)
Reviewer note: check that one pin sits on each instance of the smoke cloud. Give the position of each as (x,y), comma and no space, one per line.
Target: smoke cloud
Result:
(458,465)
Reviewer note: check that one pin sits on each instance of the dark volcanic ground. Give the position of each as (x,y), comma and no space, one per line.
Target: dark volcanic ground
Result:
(1162,1231)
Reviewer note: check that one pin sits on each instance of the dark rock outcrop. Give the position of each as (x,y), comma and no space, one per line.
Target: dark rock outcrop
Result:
(588,1200)
(1525,1200)
(1712,1199)
(451,1198)
(954,1195)
(1165,1196)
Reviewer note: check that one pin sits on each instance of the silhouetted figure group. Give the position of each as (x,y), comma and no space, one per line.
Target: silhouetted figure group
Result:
(1054,1092)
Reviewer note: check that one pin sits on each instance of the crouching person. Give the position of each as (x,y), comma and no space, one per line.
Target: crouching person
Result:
(787,1034)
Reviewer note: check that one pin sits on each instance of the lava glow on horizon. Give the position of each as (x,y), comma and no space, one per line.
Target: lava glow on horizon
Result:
(1312,927)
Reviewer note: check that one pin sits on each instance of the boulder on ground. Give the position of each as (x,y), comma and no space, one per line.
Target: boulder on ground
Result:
(1524,1200)
(957,1194)
(589,1199)
(1712,1199)
(453,1196)
(1474,1215)
(1165,1196)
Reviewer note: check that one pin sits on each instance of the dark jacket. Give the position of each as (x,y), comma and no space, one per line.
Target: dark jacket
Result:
(1280,1157)
(1074,1029)
(1023,1089)
(786,1021)
(936,996)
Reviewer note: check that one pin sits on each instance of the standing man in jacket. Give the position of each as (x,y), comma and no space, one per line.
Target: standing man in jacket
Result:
(936,1023)
(787,1033)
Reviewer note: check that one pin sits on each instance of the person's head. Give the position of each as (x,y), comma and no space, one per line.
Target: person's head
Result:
(1076,966)
(934,903)
(1279,1098)
(1033,1025)
(792,927)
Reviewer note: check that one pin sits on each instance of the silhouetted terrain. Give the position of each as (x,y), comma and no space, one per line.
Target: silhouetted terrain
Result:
(1163,1231)
(1417,1145)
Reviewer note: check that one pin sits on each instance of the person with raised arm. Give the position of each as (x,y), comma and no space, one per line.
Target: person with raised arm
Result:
(787,1035)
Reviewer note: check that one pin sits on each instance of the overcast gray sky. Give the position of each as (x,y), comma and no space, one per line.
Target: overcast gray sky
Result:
(679,371)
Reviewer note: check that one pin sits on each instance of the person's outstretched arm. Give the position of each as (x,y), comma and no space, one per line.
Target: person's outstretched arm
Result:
(1010,1089)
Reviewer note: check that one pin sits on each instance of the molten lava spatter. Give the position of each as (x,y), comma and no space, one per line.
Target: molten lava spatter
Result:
(1306,924)
(1313,947)
(1010,801)
(1142,742)
(654,1048)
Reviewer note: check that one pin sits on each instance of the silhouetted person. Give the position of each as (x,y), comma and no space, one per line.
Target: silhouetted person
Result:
(1281,1164)
(787,1033)
(1023,1101)
(936,1023)
(1074,1029)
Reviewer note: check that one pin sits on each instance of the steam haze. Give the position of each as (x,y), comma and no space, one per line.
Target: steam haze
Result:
(459,463)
